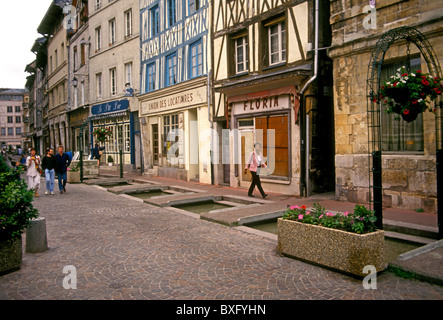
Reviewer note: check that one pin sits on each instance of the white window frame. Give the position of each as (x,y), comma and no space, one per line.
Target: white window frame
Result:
(98,85)
(113,81)
(98,38)
(281,41)
(112,31)
(244,45)
(128,23)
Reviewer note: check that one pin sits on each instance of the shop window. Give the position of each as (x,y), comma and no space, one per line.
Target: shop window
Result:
(170,135)
(399,135)
(280,125)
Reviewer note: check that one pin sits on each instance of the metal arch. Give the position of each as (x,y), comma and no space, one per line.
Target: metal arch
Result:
(411,35)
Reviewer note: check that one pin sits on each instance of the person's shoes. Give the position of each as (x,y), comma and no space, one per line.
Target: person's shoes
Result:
(52,192)
(250,195)
(36,195)
(64,189)
(46,192)
(61,191)
(265,195)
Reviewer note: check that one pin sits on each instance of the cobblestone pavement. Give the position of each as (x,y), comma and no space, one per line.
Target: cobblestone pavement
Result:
(125,249)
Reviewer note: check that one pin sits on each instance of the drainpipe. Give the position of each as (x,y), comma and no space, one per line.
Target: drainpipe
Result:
(211,151)
(304,149)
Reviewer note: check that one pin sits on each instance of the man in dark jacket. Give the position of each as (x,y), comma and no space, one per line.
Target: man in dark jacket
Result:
(62,163)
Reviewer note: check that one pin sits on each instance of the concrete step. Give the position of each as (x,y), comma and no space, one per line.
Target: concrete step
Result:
(410,229)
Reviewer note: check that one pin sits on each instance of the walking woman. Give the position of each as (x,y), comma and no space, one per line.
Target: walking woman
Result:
(48,164)
(34,171)
(254,163)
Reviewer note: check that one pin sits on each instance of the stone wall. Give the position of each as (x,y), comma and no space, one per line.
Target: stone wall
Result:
(90,167)
(409,179)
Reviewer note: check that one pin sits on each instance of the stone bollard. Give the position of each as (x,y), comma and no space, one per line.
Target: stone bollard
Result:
(36,240)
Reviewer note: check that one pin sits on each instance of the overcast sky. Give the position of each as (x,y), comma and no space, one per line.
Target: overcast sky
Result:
(18,30)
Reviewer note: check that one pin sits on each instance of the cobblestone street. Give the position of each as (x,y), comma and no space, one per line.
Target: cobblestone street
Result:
(125,249)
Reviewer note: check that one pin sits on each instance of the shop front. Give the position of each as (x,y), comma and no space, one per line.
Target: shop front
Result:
(117,118)
(176,132)
(270,118)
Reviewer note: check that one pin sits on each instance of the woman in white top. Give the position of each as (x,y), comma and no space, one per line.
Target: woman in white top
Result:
(33,173)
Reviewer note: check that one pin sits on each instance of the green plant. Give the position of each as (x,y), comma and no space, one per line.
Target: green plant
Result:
(110,159)
(74,167)
(102,134)
(16,205)
(361,220)
(409,93)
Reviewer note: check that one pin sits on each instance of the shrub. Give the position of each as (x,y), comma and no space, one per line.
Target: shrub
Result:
(15,203)
(361,220)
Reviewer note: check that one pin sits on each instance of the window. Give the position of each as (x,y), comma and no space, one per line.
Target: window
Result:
(82,87)
(277,42)
(128,73)
(241,54)
(75,97)
(154,12)
(172,12)
(111,32)
(196,58)
(280,125)
(56,59)
(17,108)
(170,133)
(75,59)
(150,77)
(98,38)
(3,132)
(9,108)
(98,4)
(18,119)
(98,84)
(128,23)
(62,52)
(50,64)
(10,119)
(82,55)
(399,135)
(18,131)
(194,5)
(10,131)
(171,69)
(113,81)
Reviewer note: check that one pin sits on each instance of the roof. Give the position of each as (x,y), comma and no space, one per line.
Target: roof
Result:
(52,16)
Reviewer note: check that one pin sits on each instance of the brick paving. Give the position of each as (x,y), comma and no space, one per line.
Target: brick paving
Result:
(125,249)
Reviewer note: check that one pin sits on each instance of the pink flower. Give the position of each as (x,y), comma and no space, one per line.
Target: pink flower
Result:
(320,217)
(300,217)
(329,214)
(293,207)
(308,212)
(346,213)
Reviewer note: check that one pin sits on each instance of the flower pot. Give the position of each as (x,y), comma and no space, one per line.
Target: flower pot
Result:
(339,250)
(73,176)
(411,116)
(10,255)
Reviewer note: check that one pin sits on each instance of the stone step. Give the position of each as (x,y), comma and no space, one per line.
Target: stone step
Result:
(410,229)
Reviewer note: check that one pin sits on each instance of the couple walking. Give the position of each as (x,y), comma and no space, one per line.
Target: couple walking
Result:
(50,164)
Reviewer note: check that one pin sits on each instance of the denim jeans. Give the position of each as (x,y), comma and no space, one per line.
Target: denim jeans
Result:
(50,178)
(62,176)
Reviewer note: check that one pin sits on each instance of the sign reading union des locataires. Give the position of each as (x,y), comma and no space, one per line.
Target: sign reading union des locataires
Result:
(118,105)
(175,101)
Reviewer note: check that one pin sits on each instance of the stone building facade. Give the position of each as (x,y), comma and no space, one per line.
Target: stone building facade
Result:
(408,150)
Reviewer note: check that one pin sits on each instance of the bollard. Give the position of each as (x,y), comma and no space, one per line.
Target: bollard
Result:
(36,240)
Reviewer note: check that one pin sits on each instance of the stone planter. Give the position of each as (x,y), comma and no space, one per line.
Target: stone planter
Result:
(73,177)
(10,255)
(339,250)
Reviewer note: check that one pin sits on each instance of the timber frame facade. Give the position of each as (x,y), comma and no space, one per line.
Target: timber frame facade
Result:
(263,57)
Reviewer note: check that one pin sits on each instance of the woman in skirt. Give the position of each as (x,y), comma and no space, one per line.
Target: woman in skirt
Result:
(34,171)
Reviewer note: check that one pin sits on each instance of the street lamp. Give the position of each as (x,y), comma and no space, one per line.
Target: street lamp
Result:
(75,82)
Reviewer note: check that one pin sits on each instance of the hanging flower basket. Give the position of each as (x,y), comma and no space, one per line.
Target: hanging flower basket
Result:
(102,134)
(409,94)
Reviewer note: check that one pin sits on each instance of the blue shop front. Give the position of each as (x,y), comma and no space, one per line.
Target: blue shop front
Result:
(115,116)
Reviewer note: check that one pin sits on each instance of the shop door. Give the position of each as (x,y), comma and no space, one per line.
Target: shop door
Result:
(246,146)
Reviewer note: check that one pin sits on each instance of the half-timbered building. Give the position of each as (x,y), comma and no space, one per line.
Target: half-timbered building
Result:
(174,101)
(272,85)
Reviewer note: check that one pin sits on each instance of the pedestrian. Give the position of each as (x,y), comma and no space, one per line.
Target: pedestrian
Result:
(97,152)
(21,161)
(48,165)
(254,163)
(34,171)
(61,167)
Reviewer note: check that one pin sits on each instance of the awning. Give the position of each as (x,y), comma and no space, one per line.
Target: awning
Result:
(295,101)
(109,115)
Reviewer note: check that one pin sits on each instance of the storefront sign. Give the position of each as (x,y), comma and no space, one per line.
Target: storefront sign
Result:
(175,101)
(262,104)
(112,106)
